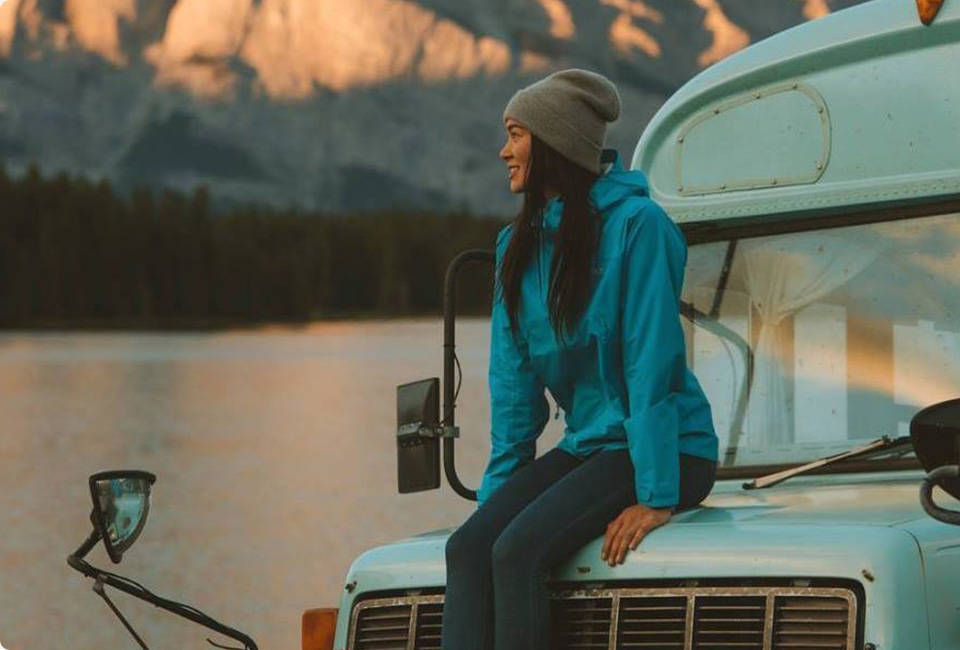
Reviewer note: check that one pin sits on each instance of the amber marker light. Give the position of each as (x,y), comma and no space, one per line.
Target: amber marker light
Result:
(928,10)
(318,628)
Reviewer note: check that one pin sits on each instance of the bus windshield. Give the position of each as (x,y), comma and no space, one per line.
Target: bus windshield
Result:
(812,343)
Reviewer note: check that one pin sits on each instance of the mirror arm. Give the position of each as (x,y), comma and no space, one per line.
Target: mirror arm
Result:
(449,347)
(100,591)
(77,562)
(86,547)
(926,494)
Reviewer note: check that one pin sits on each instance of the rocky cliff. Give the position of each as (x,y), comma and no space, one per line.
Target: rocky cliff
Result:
(337,105)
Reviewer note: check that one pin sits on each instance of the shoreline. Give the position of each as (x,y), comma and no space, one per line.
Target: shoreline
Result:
(199,326)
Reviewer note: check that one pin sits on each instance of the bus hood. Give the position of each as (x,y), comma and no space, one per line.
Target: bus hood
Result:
(829,526)
(866,530)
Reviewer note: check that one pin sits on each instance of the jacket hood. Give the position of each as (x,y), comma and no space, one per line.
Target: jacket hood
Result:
(612,186)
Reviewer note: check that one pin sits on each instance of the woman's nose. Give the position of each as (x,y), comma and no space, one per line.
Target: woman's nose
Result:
(504,153)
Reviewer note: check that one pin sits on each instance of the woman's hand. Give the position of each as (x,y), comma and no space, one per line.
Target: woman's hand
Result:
(629,528)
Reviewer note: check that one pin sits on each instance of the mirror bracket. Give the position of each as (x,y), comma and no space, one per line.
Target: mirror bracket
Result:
(100,591)
(419,429)
(418,444)
(450,432)
(140,592)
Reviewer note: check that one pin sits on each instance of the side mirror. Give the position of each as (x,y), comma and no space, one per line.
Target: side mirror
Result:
(121,503)
(418,436)
(935,434)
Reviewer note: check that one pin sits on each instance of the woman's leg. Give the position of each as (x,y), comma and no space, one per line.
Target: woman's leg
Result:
(571,513)
(697,476)
(468,605)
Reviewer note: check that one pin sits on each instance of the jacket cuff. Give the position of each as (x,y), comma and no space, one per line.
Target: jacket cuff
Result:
(653,437)
(659,501)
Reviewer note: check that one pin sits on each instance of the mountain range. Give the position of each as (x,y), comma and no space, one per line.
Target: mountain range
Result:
(339,106)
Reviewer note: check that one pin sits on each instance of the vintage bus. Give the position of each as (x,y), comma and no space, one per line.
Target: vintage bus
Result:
(816,176)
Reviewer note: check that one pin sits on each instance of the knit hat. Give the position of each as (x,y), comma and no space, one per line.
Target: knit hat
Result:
(568,110)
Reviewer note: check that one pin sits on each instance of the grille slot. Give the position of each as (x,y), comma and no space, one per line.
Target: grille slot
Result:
(581,623)
(729,622)
(810,623)
(383,628)
(429,623)
(655,618)
(652,622)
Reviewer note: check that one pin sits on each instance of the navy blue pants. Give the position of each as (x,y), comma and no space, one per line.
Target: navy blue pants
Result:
(499,560)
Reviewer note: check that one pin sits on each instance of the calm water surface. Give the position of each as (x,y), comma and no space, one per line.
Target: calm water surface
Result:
(276,465)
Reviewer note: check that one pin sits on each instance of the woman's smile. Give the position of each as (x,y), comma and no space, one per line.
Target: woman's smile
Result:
(516,154)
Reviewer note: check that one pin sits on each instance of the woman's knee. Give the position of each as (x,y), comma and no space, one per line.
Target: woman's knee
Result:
(467,545)
(697,476)
(514,550)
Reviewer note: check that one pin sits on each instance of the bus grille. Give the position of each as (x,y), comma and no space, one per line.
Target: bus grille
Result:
(695,618)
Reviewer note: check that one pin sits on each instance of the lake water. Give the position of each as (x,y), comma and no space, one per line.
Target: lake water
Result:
(276,464)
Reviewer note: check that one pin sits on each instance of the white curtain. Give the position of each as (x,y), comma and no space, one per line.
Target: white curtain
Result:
(784,274)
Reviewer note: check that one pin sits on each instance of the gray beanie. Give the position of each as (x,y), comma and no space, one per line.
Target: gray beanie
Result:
(568,110)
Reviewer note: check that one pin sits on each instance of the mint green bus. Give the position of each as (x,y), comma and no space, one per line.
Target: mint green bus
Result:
(816,176)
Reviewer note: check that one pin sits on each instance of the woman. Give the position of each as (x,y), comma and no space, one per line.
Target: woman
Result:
(586,305)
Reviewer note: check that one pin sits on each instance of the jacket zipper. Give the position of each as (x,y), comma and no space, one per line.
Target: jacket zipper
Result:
(543,220)
(539,258)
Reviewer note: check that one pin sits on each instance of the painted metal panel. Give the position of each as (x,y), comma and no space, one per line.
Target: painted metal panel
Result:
(940,547)
(841,526)
(775,137)
(889,85)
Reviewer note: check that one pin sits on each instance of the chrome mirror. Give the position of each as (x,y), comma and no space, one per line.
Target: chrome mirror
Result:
(121,503)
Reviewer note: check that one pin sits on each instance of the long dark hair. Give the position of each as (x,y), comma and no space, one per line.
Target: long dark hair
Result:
(571,277)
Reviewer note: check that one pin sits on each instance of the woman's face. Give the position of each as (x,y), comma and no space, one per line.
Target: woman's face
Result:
(516,153)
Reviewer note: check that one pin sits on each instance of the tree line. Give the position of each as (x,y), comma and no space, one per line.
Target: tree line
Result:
(74,253)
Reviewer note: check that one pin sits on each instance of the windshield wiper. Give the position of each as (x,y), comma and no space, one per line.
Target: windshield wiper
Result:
(880,444)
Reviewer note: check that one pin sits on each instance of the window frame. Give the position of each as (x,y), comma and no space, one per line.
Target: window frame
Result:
(707,232)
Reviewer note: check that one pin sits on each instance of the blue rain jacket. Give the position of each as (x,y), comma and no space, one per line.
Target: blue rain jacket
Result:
(622,381)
